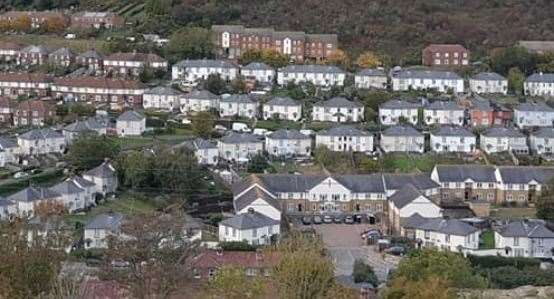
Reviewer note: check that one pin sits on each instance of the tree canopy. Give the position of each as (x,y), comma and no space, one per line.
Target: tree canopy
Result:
(90,150)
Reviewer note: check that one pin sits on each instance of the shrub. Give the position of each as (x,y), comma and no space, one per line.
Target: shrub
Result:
(508,277)
(364,273)
(237,246)
(487,262)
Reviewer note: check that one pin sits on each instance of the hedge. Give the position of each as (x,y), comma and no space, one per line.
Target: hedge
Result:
(488,262)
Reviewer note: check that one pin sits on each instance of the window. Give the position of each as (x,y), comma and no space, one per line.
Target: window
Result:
(251,272)
(255,233)
(446,238)
(516,241)
(427,234)
(211,272)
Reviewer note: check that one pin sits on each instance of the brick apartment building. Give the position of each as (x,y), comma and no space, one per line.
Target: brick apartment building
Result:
(7,107)
(33,113)
(445,55)
(9,50)
(233,40)
(97,20)
(13,85)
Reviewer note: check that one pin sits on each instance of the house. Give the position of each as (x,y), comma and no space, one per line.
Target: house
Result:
(501,139)
(239,147)
(441,81)
(104,178)
(118,93)
(542,141)
(253,263)
(282,108)
(7,108)
(8,208)
(41,141)
(522,185)
(98,229)
(453,139)
(444,113)
(96,20)
(466,182)
(258,72)
(33,55)
(445,55)
(240,105)
(393,111)
(33,113)
(371,78)
(402,139)
(231,41)
(8,51)
(89,187)
(27,199)
(532,114)
(13,85)
(539,84)
(253,227)
(447,234)
(407,202)
(9,150)
(487,82)
(37,19)
(93,125)
(288,143)
(525,238)
(130,123)
(206,151)
(161,97)
(199,100)
(481,113)
(91,59)
(345,138)
(62,57)
(338,109)
(133,63)
(318,75)
(192,71)
(73,197)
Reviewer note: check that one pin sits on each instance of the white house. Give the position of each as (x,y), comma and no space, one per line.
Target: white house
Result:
(533,115)
(72,196)
(487,82)
(407,202)
(104,178)
(501,139)
(194,70)
(258,198)
(8,151)
(522,185)
(239,147)
(199,100)
(161,97)
(99,228)
(92,125)
(392,111)
(525,238)
(130,123)
(442,81)
(466,182)
(443,113)
(447,234)
(253,227)
(8,208)
(287,143)
(318,75)
(133,63)
(370,78)
(542,141)
(206,152)
(345,138)
(402,139)
(89,187)
(539,84)
(259,72)
(240,105)
(41,141)
(453,139)
(338,109)
(27,199)
(282,108)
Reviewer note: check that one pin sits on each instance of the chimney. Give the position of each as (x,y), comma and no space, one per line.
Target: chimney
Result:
(251,210)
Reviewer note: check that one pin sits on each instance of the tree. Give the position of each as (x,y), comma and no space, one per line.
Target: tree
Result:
(238,85)
(545,203)
(22,24)
(430,287)
(340,58)
(90,150)
(190,43)
(232,283)
(515,81)
(203,124)
(369,165)
(157,254)
(364,273)
(368,60)
(257,164)
(5,25)
(270,57)
(55,25)
(157,7)
(545,62)
(502,60)
(215,84)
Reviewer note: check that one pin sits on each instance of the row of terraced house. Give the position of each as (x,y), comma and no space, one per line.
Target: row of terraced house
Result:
(85,19)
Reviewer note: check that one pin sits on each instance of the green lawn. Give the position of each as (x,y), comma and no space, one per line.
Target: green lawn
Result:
(54,41)
(408,163)
(488,239)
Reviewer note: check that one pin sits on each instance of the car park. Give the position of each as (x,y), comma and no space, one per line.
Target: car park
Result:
(358,218)
(349,220)
(306,220)
(337,219)
(327,219)
(317,220)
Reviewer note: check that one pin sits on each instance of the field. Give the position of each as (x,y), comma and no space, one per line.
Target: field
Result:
(54,42)
(512,212)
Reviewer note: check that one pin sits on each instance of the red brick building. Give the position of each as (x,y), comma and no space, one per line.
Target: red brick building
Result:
(9,50)
(24,84)
(33,113)
(484,113)
(254,264)
(445,55)
(7,107)
(97,20)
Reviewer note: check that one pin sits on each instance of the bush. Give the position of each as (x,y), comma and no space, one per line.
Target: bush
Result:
(508,277)
(364,273)
(486,262)
(237,246)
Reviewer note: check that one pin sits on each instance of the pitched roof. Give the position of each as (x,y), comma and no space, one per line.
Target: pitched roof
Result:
(31,194)
(399,104)
(405,195)
(163,90)
(311,68)
(105,170)
(343,131)
(502,132)
(91,54)
(109,221)
(288,134)
(420,181)
(211,259)
(249,220)
(445,48)
(67,187)
(525,228)
(96,82)
(541,77)
(426,74)
(453,131)
(10,46)
(461,173)
(401,131)
(36,134)
(339,102)
(534,107)
(257,66)
(6,202)
(413,221)
(443,105)
(525,174)
(7,142)
(63,52)
(371,73)
(33,49)
(201,95)
(238,98)
(282,101)
(131,115)
(205,63)
(235,138)
(544,133)
(252,195)
(25,77)
(481,104)
(199,143)
(362,183)
(82,182)
(448,226)
(133,56)
(488,76)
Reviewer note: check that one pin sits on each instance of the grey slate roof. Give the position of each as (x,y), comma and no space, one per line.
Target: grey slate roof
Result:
(541,77)
(199,143)
(91,54)
(236,138)
(37,134)
(371,73)
(105,170)
(362,183)
(526,174)
(443,105)
(460,173)
(338,102)
(257,66)
(67,187)
(447,226)
(107,221)
(163,90)
(90,124)
(82,182)
(253,194)
(544,133)
(201,95)
(36,49)
(488,76)
(198,63)
(311,68)
(453,131)
(413,221)
(249,220)
(534,107)
(399,104)
(401,131)
(405,195)
(481,104)
(6,142)
(502,132)
(31,194)
(130,115)
(420,181)
(288,134)
(4,202)
(63,52)
(237,98)
(426,74)
(523,228)
(342,131)
(282,101)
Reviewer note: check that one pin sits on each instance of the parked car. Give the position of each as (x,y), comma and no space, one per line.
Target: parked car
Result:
(317,220)
(306,220)
(337,219)
(240,127)
(358,218)
(396,250)
(349,220)
(327,219)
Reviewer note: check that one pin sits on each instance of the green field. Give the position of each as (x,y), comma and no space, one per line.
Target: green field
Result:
(54,42)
